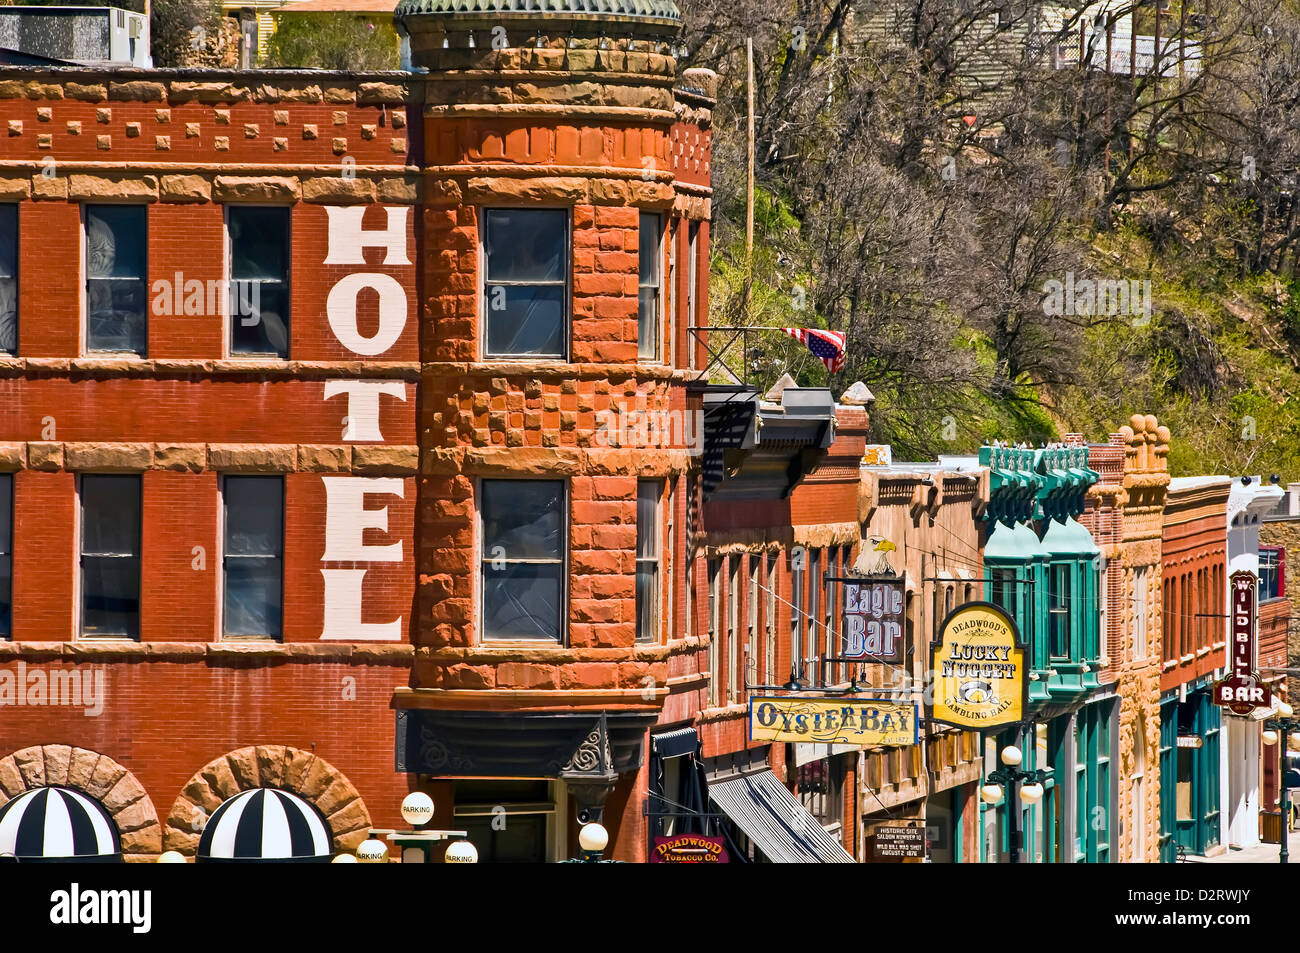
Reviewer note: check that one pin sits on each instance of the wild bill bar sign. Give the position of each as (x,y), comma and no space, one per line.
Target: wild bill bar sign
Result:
(864,721)
(874,612)
(1242,691)
(978,666)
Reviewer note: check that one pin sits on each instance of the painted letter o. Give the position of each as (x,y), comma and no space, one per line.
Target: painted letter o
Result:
(341,310)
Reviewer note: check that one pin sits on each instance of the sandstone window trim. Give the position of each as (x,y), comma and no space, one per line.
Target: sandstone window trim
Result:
(6,555)
(9,310)
(649,553)
(232,560)
(124,560)
(250,291)
(495,294)
(496,557)
(650,297)
(108,280)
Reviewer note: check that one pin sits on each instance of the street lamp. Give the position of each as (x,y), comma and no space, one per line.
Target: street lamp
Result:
(1010,775)
(593,839)
(1282,724)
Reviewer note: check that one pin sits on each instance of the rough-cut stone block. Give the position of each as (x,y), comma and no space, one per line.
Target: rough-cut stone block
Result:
(184,188)
(525,191)
(15,190)
(50,190)
(371,458)
(11,779)
(400,191)
(241,188)
(324,459)
(109,457)
(45,456)
(31,765)
(146,841)
(336,190)
(58,758)
(270,764)
(190,458)
(88,92)
(137,90)
(12,456)
(251,457)
(243,764)
(85,188)
(381,93)
(82,768)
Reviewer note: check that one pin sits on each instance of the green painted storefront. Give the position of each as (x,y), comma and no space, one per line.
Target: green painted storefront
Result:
(1190,805)
(1043,567)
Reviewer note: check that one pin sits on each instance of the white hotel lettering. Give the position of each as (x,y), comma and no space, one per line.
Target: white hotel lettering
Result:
(346,515)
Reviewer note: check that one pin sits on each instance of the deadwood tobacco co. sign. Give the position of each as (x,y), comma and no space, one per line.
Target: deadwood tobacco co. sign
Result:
(977,662)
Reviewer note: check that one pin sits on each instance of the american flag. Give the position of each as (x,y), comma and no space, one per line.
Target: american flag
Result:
(827,346)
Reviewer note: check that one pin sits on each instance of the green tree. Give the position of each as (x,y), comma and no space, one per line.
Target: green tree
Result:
(333,41)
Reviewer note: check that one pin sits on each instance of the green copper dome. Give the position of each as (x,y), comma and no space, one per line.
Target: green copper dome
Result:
(650,9)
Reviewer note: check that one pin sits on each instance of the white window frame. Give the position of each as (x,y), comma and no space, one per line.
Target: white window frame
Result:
(479,551)
(566,312)
(227,318)
(221,555)
(84,278)
(79,589)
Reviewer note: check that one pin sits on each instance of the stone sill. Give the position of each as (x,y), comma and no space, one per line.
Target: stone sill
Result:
(133,366)
(107,650)
(556,369)
(484,654)
(523,699)
(721,713)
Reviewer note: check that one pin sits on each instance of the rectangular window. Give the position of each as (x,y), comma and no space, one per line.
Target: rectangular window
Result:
(253,555)
(1269,579)
(6,554)
(110,556)
(259,279)
(9,279)
(116,277)
(769,623)
(715,674)
(1059,612)
(1139,603)
(1003,590)
(754,634)
(648,303)
(524,533)
(526,268)
(647,560)
(735,594)
(692,266)
(796,611)
(814,614)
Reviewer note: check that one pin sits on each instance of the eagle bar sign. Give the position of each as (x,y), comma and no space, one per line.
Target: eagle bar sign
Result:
(842,721)
(874,613)
(977,662)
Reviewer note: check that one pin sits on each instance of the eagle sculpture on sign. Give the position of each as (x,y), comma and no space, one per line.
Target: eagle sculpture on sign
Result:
(874,558)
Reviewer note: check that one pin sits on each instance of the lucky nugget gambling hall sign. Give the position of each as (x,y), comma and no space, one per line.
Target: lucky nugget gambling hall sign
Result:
(977,662)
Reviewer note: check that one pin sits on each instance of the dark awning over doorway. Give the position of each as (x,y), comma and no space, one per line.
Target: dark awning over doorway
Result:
(778,825)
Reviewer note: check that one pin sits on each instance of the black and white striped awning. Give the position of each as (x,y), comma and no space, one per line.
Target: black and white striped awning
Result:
(266,824)
(57,824)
